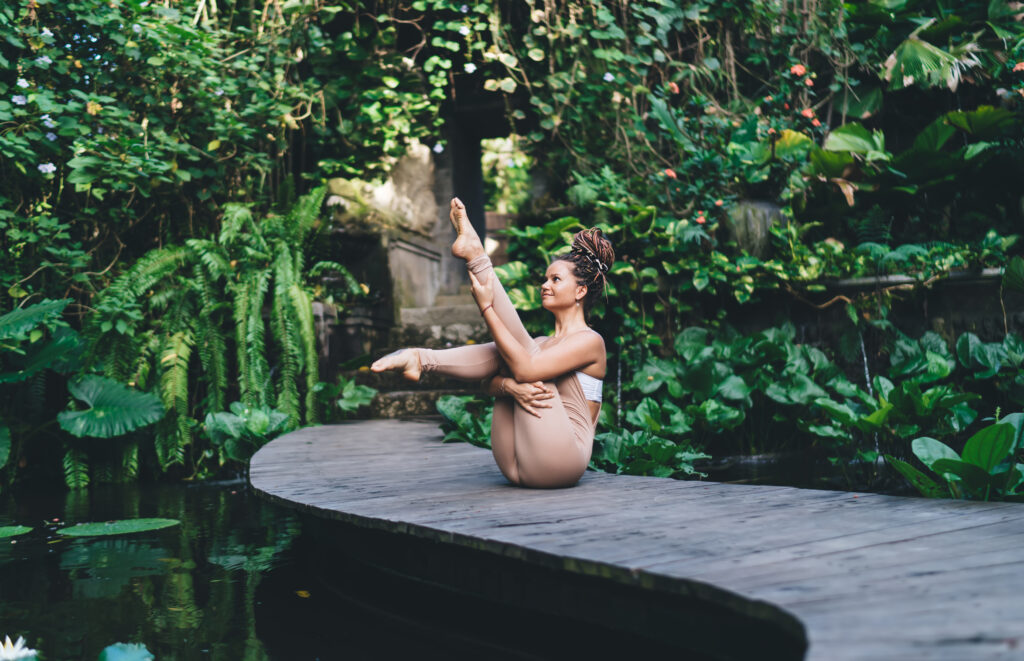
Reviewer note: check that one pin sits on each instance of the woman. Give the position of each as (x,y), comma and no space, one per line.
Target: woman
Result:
(545,436)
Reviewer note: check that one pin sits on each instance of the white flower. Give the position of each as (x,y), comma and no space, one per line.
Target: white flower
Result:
(44,59)
(22,83)
(464,9)
(45,168)
(438,148)
(16,650)
(136,28)
(19,99)
(608,77)
(47,122)
(470,67)
(46,32)
(463,30)
(51,136)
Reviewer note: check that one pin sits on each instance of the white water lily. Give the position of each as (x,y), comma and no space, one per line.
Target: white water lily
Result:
(15,650)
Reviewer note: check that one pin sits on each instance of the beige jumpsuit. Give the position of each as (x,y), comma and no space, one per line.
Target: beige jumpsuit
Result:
(550,451)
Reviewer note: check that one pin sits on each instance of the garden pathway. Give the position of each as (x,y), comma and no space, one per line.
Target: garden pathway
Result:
(869,576)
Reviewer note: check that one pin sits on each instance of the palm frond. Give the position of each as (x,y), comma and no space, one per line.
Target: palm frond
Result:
(177,433)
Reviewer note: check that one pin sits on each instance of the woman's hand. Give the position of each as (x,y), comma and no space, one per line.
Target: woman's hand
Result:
(530,396)
(483,292)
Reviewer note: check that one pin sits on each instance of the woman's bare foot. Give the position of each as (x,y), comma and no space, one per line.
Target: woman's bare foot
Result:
(406,360)
(467,244)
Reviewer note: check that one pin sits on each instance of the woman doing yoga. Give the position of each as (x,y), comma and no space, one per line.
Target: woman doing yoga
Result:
(548,389)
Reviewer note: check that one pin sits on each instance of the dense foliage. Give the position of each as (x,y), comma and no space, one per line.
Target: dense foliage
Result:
(155,156)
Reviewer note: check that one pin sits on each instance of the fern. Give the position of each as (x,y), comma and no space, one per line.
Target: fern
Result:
(76,468)
(286,335)
(304,215)
(255,341)
(129,462)
(176,433)
(211,345)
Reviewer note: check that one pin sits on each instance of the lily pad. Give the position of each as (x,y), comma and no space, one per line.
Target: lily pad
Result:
(13,531)
(122,527)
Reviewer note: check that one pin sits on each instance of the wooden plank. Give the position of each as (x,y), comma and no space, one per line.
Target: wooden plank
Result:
(870,576)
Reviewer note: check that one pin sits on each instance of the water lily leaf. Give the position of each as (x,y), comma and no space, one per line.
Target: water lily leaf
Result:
(13,531)
(989,446)
(121,527)
(113,410)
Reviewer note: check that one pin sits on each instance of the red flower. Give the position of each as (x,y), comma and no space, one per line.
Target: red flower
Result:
(771,131)
(1019,66)
(674,88)
(807,112)
(809,81)
(798,69)
(701,220)
(786,106)
(767,99)
(719,203)
(670,173)
(815,123)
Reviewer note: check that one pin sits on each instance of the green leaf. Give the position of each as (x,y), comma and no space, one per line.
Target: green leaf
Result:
(974,478)
(113,410)
(13,531)
(18,322)
(927,487)
(985,122)
(929,450)
(1013,275)
(989,447)
(120,527)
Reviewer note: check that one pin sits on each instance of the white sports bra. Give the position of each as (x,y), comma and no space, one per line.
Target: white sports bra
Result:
(591,386)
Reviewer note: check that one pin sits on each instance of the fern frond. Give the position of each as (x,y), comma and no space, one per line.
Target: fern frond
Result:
(305,328)
(304,215)
(130,462)
(174,359)
(255,341)
(235,217)
(210,342)
(242,297)
(212,256)
(283,326)
(153,267)
(76,468)
(338,272)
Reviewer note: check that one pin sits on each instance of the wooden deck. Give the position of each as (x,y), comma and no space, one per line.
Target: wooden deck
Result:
(868,576)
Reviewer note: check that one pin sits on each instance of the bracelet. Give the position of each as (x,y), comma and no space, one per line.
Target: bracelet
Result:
(488,307)
(501,387)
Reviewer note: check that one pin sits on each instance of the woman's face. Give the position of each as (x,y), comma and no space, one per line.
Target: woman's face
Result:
(560,288)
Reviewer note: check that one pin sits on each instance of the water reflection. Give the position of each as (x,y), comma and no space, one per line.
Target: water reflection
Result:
(186,592)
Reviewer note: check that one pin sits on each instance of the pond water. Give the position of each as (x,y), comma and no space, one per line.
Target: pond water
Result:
(241,578)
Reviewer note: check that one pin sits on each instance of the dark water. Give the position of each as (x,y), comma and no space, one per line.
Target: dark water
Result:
(240,578)
(186,592)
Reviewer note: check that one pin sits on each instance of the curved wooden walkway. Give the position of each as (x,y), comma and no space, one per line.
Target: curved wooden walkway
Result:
(868,576)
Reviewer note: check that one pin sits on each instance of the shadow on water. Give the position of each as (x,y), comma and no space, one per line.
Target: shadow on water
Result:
(241,578)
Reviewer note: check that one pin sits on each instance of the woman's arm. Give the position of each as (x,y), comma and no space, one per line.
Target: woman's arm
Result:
(530,396)
(573,353)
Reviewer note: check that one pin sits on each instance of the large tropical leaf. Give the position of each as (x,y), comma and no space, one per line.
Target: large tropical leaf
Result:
(18,322)
(113,410)
(984,122)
